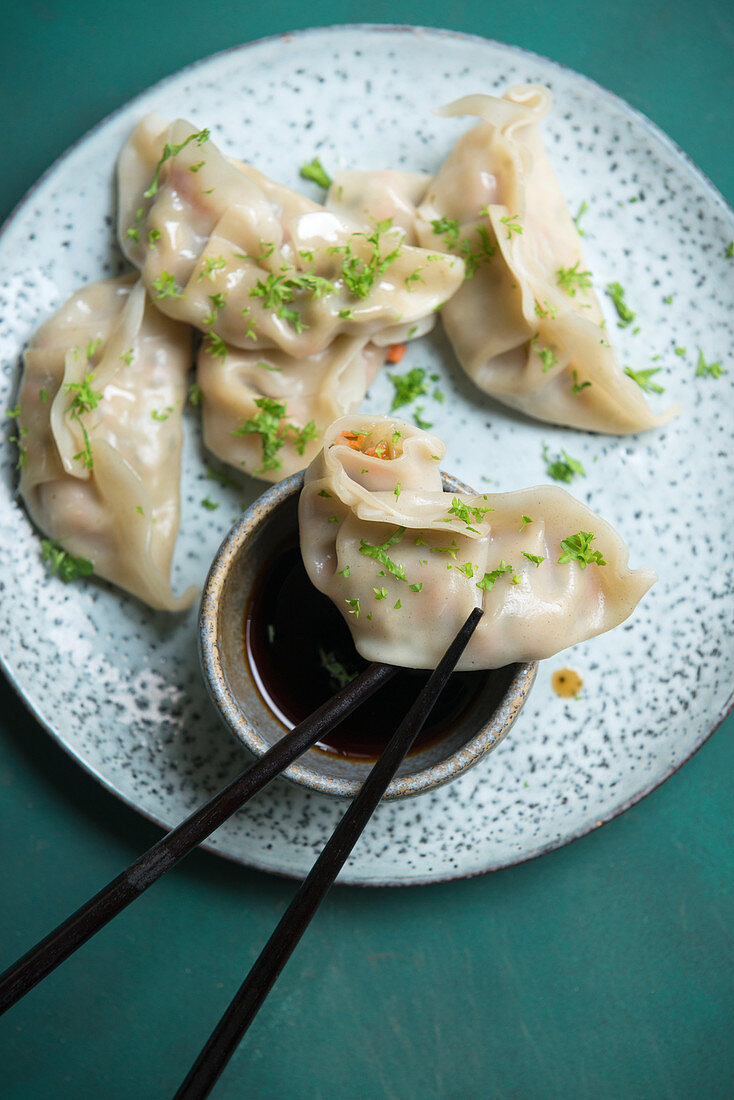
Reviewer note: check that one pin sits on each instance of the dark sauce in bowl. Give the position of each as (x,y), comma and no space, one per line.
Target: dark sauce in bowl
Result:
(300,652)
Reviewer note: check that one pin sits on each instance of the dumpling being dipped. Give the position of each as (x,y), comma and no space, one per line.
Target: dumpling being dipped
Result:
(405,562)
(526,325)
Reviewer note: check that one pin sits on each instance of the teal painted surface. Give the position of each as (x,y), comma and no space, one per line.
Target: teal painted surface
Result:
(602,970)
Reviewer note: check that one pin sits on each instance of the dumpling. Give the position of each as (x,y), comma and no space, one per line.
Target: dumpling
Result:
(405,562)
(101,399)
(366,196)
(265,413)
(254,265)
(526,325)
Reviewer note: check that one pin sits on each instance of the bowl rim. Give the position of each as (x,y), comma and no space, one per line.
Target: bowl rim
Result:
(238,722)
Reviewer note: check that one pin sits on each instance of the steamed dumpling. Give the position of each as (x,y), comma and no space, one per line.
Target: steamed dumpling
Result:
(526,325)
(255,265)
(105,484)
(265,413)
(406,562)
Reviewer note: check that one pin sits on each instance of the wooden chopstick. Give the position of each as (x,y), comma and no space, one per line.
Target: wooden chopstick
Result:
(244,1006)
(23,975)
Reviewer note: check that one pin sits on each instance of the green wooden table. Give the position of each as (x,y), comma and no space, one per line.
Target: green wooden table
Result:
(602,970)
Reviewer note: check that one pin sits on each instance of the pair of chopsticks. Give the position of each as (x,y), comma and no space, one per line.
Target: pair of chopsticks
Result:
(42,959)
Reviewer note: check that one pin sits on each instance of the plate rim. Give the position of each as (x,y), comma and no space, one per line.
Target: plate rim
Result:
(386,28)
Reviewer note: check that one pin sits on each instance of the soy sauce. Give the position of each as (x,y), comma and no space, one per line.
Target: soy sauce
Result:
(300,652)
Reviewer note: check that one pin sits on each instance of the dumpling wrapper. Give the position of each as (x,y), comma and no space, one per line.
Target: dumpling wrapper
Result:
(214,240)
(311,393)
(517,333)
(434,555)
(123,513)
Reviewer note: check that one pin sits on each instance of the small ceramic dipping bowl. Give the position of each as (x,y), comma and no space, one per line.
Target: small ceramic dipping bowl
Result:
(269,524)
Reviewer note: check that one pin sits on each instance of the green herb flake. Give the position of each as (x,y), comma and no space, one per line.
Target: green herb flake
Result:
(335,668)
(448,228)
(513,225)
(467,569)
(729,250)
(397,606)
(616,292)
(408,387)
(414,277)
(359,275)
(43,395)
(195,394)
(333,519)
(524,521)
(642,378)
(380,593)
(578,548)
(680,352)
(170,150)
(577,387)
(563,468)
(453,550)
(668,299)
(532,557)
(353,606)
(708,370)
(467,512)
(63,565)
(315,171)
(425,425)
(346,314)
(165,285)
(397,490)
(379,553)
(488,580)
(416,587)
(210,505)
(211,265)
(345,572)
(162,415)
(576,221)
(83,401)
(570,279)
(548,358)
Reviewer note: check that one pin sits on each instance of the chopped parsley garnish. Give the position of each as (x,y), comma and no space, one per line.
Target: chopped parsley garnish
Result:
(548,358)
(488,580)
(345,572)
(453,550)
(359,275)
(581,211)
(278,290)
(680,352)
(215,345)
(397,490)
(525,520)
(419,421)
(270,424)
(153,236)
(668,299)
(210,505)
(708,370)
(577,386)
(578,548)
(63,565)
(532,557)
(333,519)
(448,228)
(336,670)
(43,395)
(616,292)
(315,171)
(210,265)
(379,553)
(127,357)
(416,587)
(467,569)
(397,606)
(483,255)
(730,250)
(324,493)
(467,512)
(195,394)
(170,150)
(513,225)
(549,311)
(165,284)
(408,387)
(84,400)
(13,413)
(642,378)
(563,468)
(571,279)
(353,606)
(415,277)
(162,415)
(380,593)
(196,167)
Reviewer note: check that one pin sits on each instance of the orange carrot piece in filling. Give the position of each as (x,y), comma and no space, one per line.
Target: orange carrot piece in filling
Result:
(395,353)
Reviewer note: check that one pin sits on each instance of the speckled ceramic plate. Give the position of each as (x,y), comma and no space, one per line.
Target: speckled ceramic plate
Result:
(119,685)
